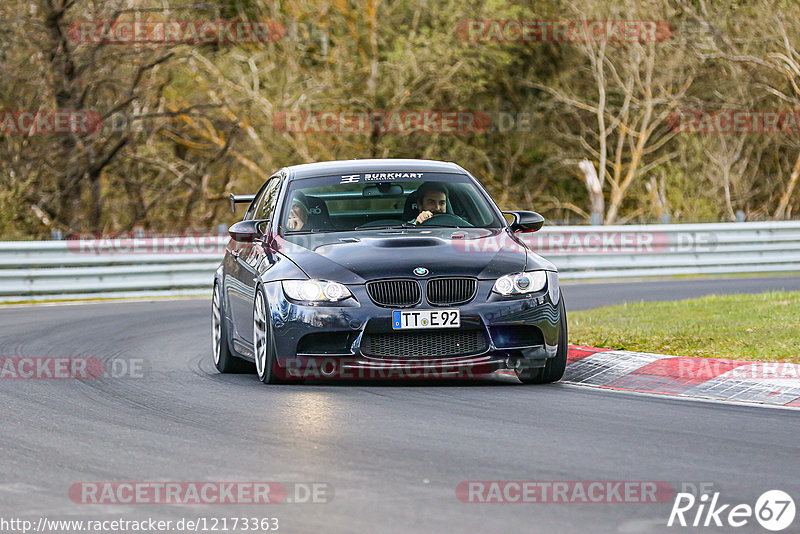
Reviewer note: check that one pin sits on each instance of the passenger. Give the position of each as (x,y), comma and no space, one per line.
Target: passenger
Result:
(298,215)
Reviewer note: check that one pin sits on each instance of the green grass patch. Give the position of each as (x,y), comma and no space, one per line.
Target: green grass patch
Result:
(762,326)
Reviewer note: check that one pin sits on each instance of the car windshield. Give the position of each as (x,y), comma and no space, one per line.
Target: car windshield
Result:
(364,201)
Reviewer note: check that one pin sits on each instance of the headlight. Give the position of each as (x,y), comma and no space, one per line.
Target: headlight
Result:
(520,283)
(315,290)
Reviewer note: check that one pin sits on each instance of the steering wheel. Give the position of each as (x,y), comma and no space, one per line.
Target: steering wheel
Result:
(446,219)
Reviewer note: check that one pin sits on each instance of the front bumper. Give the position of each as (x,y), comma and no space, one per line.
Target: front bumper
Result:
(331,341)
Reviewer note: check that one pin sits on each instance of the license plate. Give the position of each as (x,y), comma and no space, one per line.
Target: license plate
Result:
(403,320)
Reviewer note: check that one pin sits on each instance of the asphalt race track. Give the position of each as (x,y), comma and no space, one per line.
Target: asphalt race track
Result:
(393,453)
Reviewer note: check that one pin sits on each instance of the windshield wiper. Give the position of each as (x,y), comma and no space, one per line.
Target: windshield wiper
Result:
(312,231)
(386,227)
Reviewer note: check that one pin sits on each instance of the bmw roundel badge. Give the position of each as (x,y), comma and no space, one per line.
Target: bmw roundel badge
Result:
(421,271)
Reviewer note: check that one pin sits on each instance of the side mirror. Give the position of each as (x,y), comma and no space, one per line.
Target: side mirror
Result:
(246,231)
(525,221)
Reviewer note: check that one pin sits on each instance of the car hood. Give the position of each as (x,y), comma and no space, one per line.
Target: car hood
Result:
(356,257)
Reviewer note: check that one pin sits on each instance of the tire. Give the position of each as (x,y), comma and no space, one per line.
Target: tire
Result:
(554,368)
(224,360)
(264,343)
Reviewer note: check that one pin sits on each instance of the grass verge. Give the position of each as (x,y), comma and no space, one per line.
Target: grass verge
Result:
(762,327)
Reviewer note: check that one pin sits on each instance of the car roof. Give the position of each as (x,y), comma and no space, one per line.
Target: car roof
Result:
(325,168)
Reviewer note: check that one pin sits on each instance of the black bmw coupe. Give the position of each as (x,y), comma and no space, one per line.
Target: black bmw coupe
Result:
(384,268)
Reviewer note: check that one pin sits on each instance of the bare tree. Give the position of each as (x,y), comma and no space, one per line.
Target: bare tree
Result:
(772,64)
(621,127)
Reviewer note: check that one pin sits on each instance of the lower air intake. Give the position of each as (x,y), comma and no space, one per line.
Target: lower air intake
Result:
(420,344)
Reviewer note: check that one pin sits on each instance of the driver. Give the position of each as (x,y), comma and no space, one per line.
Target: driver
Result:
(431,200)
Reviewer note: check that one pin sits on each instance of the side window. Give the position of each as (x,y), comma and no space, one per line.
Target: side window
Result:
(257,206)
(266,203)
(252,207)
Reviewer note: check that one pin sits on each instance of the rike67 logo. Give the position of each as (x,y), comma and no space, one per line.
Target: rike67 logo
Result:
(774,510)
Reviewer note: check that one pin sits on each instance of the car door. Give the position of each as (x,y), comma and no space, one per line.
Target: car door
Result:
(248,256)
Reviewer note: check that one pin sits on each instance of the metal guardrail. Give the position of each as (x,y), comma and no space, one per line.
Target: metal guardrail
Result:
(108,268)
(57,270)
(670,249)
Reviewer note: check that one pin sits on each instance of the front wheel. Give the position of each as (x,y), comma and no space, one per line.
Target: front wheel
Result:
(554,368)
(264,343)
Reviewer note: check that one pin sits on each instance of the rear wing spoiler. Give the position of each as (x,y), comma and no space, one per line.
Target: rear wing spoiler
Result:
(240,199)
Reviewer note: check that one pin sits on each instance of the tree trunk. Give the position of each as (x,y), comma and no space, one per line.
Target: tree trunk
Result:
(595,191)
(780,213)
